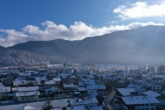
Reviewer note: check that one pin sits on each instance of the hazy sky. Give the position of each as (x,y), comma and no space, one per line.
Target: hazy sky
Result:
(27,20)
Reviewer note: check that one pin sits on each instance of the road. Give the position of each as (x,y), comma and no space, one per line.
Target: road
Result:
(110,96)
(109,99)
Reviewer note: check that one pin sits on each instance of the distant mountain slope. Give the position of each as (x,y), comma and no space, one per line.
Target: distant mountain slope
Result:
(2,47)
(139,46)
(9,57)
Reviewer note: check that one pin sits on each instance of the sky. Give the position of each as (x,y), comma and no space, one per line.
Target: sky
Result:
(33,20)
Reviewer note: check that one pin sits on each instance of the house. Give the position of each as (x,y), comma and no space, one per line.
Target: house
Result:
(25,89)
(22,81)
(156,87)
(152,93)
(69,87)
(57,80)
(87,102)
(68,70)
(81,84)
(49,84)
(30,93)
(139,88)
(27,96)
(52,90)
(88,82)
(82,90)
(95,88)
(139,103)
(4,91)
(125,92)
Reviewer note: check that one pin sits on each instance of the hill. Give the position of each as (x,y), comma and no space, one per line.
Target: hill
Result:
(139,46)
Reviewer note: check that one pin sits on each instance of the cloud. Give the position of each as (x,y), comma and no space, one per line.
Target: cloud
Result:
(140,10)
(50,31)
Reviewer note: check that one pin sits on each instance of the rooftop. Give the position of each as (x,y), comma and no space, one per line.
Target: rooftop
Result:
(126,91)
(152,93)
(68,85)
(18,94)
(132,100)
(28,88)
(97,86)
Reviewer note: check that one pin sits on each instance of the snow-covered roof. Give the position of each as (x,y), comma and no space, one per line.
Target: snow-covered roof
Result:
(81,88)
(57,79)
(49,82)
(88,81)
(75,102)
(81,84)
(73,76)
(18,94)
(53,89)
(64,75)
(135,86)
(97,86)
(126,91)
(39,78)
(68,85)
(28,88)
(24,74)
(27,107)
(152,93)
(133,100)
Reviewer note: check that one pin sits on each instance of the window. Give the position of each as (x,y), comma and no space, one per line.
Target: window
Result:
(23,98)
(152,109)
(147,108)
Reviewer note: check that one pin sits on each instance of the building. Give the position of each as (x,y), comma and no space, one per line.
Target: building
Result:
(27,96)
(139,103)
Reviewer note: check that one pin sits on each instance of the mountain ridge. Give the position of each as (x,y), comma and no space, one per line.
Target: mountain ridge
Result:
(142,45)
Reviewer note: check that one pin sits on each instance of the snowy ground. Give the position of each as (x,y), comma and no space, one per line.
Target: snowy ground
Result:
(38,105)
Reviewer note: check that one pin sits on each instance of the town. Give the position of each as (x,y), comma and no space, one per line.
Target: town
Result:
(82,87)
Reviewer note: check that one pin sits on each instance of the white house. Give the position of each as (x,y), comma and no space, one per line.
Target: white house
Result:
(27,96)
(26,93)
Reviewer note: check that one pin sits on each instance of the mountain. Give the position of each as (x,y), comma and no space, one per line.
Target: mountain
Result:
(10,57)
(1,48)
(139,46)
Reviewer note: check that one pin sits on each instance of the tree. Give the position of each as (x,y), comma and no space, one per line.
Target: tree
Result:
(1,96)
(151,69)
(108,86)
(100,98)
(160,68)
(47,105)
